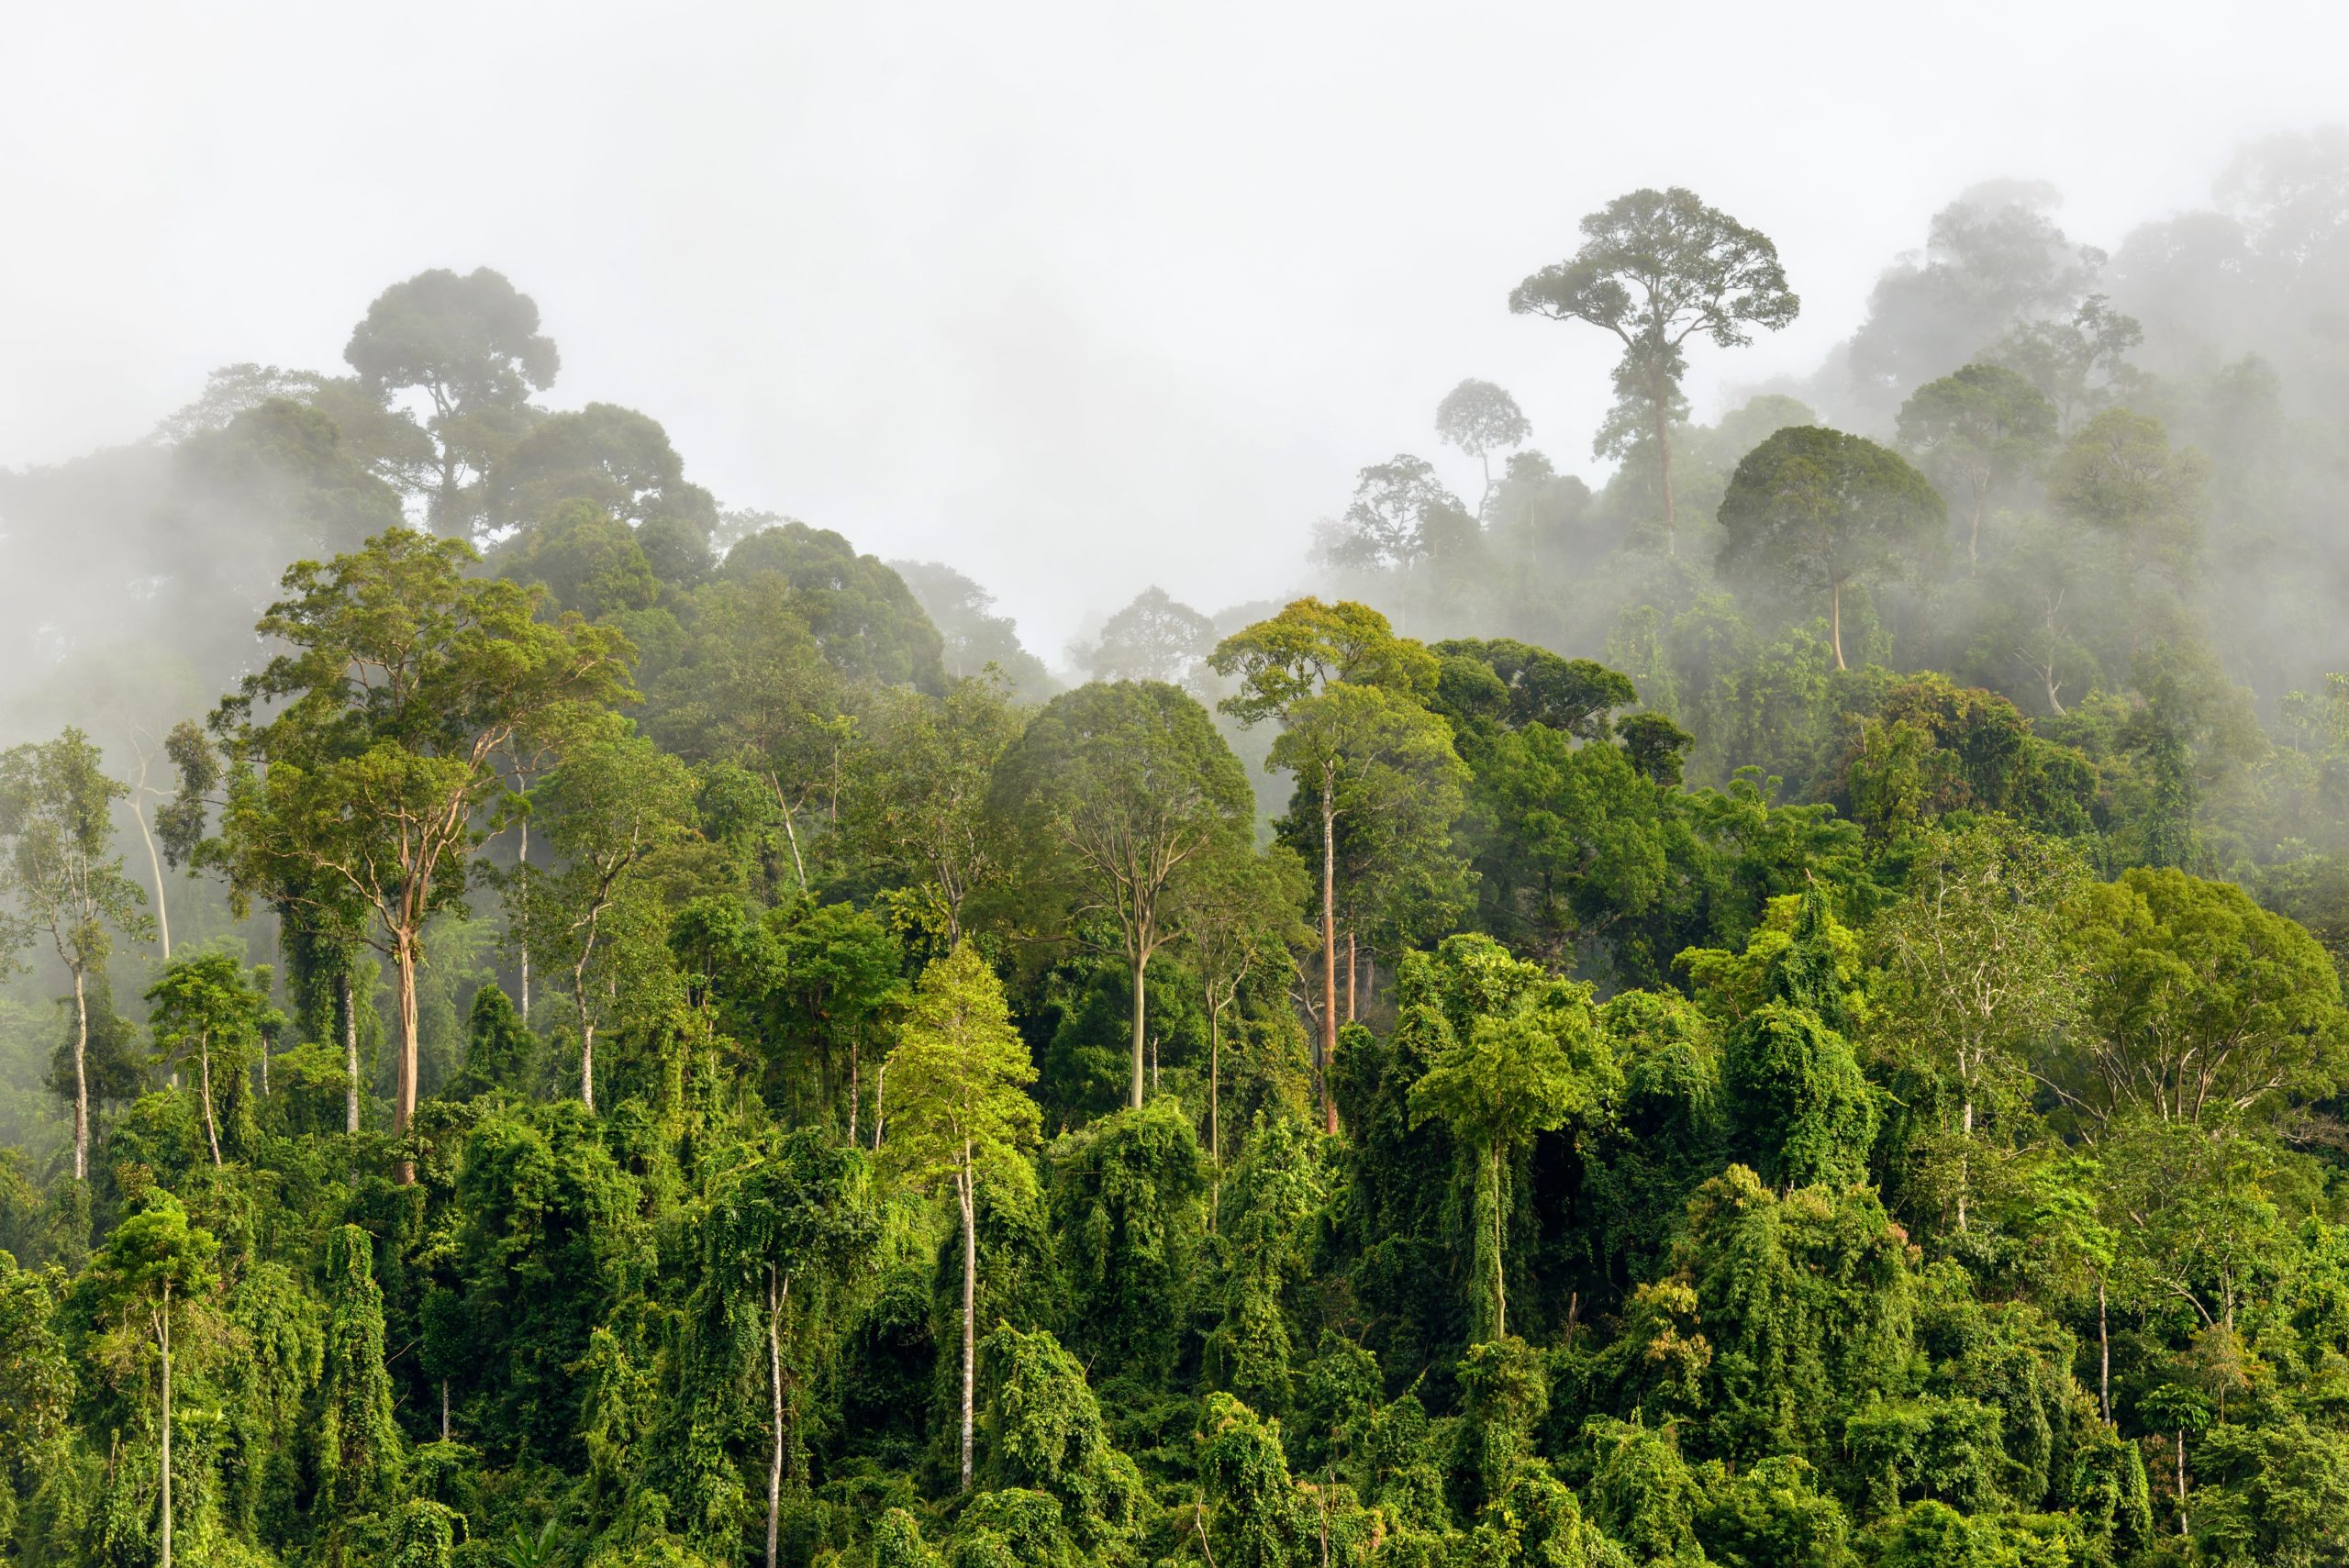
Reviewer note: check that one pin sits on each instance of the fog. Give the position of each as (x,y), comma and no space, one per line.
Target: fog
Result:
(1075,300)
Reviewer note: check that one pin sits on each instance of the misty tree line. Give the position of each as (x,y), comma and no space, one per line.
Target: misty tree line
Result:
(1783,1011)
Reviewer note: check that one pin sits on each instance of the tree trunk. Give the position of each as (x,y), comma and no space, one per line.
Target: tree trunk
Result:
(155,869)
(587,1032)
(1354,972)
(404,1094)
(855,1087)
(2181,1481)
(963,1190)
(1139,965)
(1329,946)
(1500,1287)
(1215,1090)
(163,1335)
(774,1384)
(349,1004)
(1965,1159)
(1835,621)
(1664,460)
(81,1077)
(522,870)
(880,1087)
(444,1409)
(204,1068)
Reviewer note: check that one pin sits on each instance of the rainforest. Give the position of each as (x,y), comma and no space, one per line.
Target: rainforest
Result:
(1760,985)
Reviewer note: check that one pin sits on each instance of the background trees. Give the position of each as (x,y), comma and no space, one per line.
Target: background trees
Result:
(1656,268)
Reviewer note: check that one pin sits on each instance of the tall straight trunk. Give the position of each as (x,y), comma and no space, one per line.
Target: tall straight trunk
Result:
(2181,1481)
(81,1077)
(1354,972)
(1664,458)
(155,869)
(1329,946)
(349,1004)
(880,1087)
(522,869)
(163,1334)
(586,1027)
(1140,966)
(1966,1161)
(963,1190)
(1835,621)
(403,1096)
(1500,1287)
(1214,1089)
(203,1067)
(774,1385)
(855,1087)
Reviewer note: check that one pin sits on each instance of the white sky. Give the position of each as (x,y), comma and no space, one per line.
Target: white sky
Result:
(1075,297)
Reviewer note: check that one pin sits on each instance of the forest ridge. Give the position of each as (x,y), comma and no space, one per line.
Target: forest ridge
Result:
(1783,1011)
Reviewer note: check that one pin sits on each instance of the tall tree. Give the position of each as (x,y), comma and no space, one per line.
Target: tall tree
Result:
(362,759)
(1656,268)
(1818,509)
(1480,419)
(1349,695)
(1239,909)
(154,1280)
(962,1115)
(914,817)
(56,839)
(1124,787)
(1156,637)
(472,345)
(611,805)
(206,1006)
(1977,431)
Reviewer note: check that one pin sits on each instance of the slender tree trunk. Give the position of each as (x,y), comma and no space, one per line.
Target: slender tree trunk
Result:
(1500,1287)
(855,1087)
(444,1409)
(963,1189)
(1663,459)
(522,870)
(1329,947)
(1966,1160)
(1141,966)
(2181,1481)
(163,1334)
(1835,621)
(203,1069)
(81,1077)
(345,1000)
(404,1095)
(155,869)
(587,1030)
(774,1384)
(791,834)
(1215,1093)
(880,1087)
(2104,1355)
(1354,972)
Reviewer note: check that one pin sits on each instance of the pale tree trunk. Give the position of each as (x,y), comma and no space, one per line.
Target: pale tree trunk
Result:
(349,1006)
(855,1087)
(404,1098)
(586,1029)
(1500,1287)
(1215,1098)
(963,1190)
(522,869)
(775,1384)
(204,1068)
(1354,972)
(155,869)
(1835,621)
(81,1077)
(2181,1481)
(880,1087)
(1329,947)
(1966,1160)
(163,1334)
(1141,967)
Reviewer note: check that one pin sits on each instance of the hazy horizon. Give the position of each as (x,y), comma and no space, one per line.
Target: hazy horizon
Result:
(1071,304)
